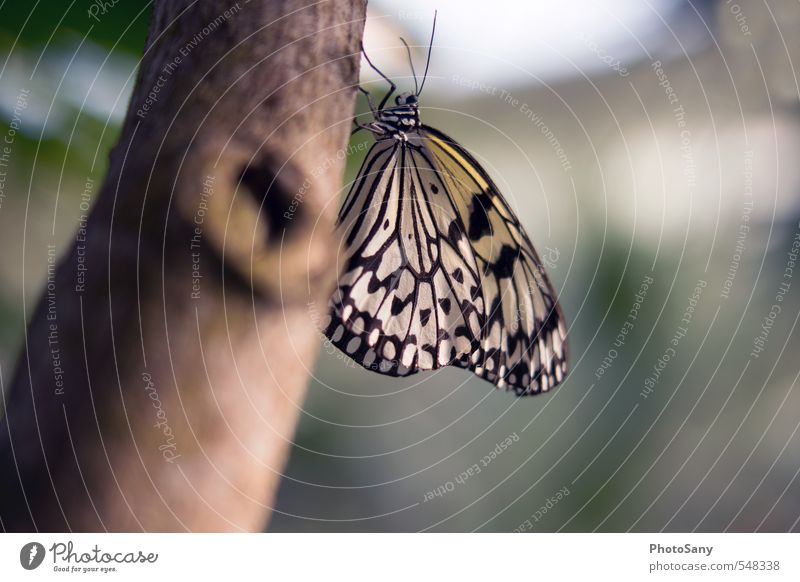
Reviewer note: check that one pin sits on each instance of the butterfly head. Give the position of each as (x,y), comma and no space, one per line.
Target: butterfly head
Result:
(408,99)
(400,119)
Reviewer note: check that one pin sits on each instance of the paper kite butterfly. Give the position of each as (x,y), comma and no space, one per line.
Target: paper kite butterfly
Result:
(437,269)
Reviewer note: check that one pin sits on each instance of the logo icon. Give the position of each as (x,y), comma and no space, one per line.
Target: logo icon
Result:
(31,555)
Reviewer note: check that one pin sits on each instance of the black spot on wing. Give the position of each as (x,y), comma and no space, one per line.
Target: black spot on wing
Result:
(454,233)
(446,305)
(479,222)
(503,267)
(374,284)
(397,306)
(424,316)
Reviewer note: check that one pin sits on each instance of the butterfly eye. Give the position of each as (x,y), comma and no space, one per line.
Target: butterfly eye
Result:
(406,99)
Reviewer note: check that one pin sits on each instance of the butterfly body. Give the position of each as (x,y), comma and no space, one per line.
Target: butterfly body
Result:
(399,121)
(437,269)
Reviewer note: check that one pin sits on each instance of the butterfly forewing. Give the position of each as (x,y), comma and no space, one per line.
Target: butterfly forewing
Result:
(438,271)
(408,300)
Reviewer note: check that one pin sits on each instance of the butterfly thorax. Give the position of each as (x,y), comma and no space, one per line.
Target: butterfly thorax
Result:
(398,121)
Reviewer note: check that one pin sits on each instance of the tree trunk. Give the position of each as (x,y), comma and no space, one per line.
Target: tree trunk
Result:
(165,366)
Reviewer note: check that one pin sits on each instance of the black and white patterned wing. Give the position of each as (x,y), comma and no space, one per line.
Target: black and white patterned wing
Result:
(523,342)
(438,272)
(409,296)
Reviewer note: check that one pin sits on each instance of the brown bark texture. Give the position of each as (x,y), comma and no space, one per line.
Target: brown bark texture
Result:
(165,366)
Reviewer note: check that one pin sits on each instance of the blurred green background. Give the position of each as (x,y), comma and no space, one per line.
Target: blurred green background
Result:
(651,151)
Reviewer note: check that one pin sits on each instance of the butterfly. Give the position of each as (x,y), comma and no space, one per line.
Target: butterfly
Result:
(438,270)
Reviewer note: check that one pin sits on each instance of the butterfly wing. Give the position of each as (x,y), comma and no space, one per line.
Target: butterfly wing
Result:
(409,298)
(438,272)
(523,344)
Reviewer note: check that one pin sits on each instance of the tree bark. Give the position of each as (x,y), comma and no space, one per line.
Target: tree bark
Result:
(166,364)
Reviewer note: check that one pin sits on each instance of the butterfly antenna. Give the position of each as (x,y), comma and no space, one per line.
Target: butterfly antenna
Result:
(374,68)
(411,62)
(430,49)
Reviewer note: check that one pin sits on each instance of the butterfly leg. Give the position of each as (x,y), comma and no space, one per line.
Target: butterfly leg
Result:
(392,89)
(392,86)
(370,102)
(359,126)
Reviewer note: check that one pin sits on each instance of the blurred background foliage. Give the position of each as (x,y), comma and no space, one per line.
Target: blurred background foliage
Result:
(616,185)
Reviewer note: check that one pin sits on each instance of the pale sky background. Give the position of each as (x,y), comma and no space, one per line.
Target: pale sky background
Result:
(507,43)
(503,43)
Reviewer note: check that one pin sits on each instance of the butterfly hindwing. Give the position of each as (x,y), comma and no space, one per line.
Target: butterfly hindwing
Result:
(438,271)
(524,342)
